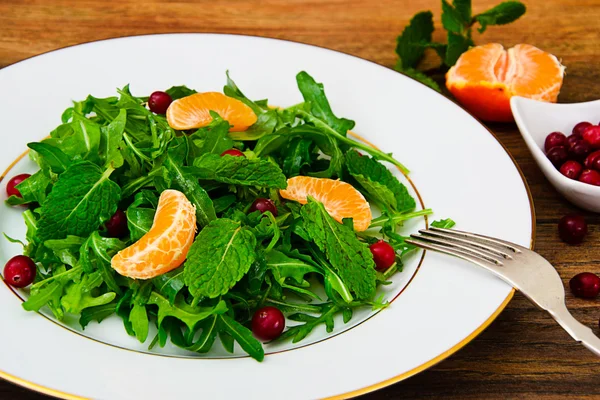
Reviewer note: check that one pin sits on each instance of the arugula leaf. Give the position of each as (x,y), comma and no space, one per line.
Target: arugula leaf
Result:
(187,314)
(81,199)
(78,296)
(299,332)
(503,13)
(239,171)
(32,189)
(314,94)
(243,336)
(50,289)
(139,322)
(140,219)
(51,156)
(205,211)
(298,156)
(223,203)
(379,182)
(285,268)
(111,137)
(265,125)
(211,139)
(67,250)
(443,223)
(351,259)
(177,92)
(84,142)
(170,284)
(96,253)
(221,254)
(417,32)
(97,313)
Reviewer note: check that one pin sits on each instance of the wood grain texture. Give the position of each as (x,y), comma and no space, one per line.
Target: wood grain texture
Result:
(523,354)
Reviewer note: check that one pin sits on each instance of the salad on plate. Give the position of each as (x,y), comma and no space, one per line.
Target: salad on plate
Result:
(209,216)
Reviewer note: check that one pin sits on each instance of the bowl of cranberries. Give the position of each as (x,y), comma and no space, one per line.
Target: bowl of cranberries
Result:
(564,139)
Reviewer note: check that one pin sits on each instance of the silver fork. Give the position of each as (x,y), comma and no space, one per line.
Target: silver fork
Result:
(520,267)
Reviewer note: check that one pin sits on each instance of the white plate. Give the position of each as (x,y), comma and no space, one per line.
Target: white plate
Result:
(458,167)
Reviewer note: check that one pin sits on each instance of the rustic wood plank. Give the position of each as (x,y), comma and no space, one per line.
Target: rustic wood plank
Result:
(523,354)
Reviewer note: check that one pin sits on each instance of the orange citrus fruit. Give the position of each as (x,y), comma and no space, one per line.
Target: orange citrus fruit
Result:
(193,111)
(485,78)
(340,199)
(165,246)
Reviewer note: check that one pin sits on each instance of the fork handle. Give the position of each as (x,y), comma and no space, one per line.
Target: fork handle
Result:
(576,329)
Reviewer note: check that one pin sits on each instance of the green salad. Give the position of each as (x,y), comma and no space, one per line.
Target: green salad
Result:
(260,267)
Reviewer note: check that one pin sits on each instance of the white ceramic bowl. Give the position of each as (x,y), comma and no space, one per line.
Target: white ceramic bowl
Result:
(536,120)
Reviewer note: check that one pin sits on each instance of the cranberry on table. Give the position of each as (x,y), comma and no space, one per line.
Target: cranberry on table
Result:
(19,271)
(590,177)
(572,229)
(268,323)
(233,152)
(159,102)
(591,134)
(116,226)
(555,139)
(11,190)
(585,285)
(580,127)
(580,150)
(263,205)
(383,255)
(571,169)
(557,155)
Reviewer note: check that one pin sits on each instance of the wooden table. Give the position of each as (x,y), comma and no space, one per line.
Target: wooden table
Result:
(523,354)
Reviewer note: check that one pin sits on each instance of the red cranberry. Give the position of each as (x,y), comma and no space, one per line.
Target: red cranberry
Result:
(268,323)
(555,139)
(572,229)
(19,271)
(383,255)
(557,156)
(11,190)
(233,152)
(589,160)
(590,177)
(571,169)
(116,226)
(263,205)
(596,164)
(573,140)
(580,150)
(591,134)
(580,127)
(585,285)
(159,102)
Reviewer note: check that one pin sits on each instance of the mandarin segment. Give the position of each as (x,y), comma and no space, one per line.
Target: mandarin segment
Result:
(485,78)
(341,200)
(165,246)
(192,112)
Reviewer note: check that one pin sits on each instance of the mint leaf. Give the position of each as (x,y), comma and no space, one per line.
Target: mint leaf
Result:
(379,182)
(81,199)
(239,171)
(243,336)
(78,296)
(351,259)
(463,8)
(314,94)
(457,44)
(503,13)
(443,223)
(420,76)
(187,314)
(205,211)
(452,20)
(111,136)
(221,254)
(51,156)
(418,31)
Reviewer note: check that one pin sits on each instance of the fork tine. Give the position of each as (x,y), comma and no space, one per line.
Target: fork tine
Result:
(455,252)
(481,238)
(479,253)
(469,242)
